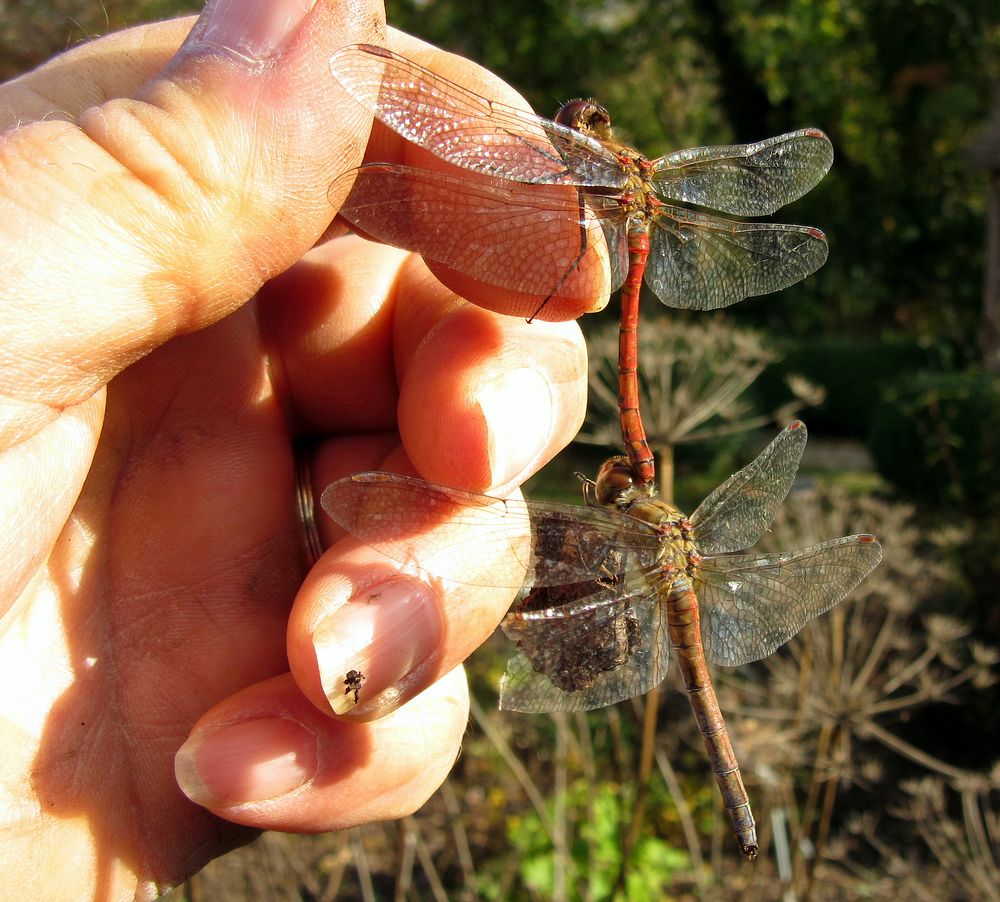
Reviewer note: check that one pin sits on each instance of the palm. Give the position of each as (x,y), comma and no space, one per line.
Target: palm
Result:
(183,596)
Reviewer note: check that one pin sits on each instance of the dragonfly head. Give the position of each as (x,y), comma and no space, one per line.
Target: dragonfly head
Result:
(587,117)
(616,484)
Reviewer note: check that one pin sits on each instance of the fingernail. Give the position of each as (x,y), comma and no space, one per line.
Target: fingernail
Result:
(370,648)
(518,411)
(251,29)
(243,762)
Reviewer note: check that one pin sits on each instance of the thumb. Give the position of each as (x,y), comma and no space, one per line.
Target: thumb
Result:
(151,215)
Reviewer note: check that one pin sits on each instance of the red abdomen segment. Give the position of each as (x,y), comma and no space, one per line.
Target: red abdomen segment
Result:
(684,630)
(633,432)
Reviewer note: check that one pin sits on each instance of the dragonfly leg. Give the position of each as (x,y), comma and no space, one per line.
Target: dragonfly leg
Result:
(581,253)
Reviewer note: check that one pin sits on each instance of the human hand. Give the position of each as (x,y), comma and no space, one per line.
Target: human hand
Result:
(153,566)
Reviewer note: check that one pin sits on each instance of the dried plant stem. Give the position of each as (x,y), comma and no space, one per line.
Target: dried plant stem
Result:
(408,853)
(664,455)
(361,866)
(586,747)
(820,759)
(876,654)
(692,382)
(522,776)
(821,781)
(336,876)
(427,863)
(805,666)
(459,834)
(912,669)
(822,835)
(649,718)
(619,745)
(985,844)
(683,814)
(902,747)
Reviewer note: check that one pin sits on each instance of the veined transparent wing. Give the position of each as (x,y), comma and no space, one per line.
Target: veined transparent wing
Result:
(752,604)
(533,239)
(479,540)
(736,514)
(746,179)
(701,262)
(467,130)
(585,646)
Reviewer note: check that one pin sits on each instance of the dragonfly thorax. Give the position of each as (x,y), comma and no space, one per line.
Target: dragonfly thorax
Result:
(617,487)
(678,553)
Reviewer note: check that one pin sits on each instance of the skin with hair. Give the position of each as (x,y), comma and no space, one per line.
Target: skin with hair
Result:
(173,329)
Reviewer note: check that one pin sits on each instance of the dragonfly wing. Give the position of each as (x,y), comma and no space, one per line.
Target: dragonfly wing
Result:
(480,540)
(737,513)
(615,239)
(467,130)
(746,179)
(752,604)
(584,647)
(700,262)
(539,239)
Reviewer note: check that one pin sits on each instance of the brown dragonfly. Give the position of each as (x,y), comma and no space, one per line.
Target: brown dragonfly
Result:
(548,208)
(615,587)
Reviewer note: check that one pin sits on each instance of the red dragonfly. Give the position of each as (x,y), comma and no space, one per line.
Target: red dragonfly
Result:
(558,205)
(619,585)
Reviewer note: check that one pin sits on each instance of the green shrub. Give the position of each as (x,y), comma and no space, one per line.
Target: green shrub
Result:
(936,436)
(595,857)
(854,372)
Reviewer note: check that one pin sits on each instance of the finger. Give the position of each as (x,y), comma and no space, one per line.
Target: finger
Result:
(483,401)
(150,217)
(361,337)
(328,328)
(42,478)
(368,634)
(268,759)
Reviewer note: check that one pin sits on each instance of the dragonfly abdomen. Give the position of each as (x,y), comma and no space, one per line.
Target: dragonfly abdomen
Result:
(684,630)
(633,432)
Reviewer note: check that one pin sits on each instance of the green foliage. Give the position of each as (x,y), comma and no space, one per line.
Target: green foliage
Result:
(520,42)
(902,88)
(654,864)
(595,856)
(937,438)
(855,373)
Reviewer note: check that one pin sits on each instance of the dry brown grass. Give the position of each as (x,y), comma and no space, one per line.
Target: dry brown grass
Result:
(817,729)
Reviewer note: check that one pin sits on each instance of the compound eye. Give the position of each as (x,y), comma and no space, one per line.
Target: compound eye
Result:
(584,116)
(614,480)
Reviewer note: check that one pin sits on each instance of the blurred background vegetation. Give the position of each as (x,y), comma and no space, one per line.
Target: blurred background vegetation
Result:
(868,744)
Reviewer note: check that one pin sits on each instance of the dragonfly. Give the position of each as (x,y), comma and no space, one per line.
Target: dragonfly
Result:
(559,207)
(614,588)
